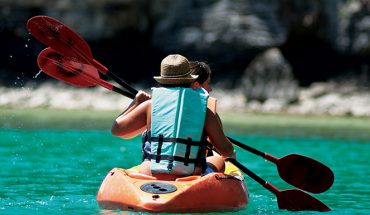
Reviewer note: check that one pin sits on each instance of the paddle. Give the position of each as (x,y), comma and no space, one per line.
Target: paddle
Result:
(75,73)
(289,199)
(67,42)
(293,200)
(300,171)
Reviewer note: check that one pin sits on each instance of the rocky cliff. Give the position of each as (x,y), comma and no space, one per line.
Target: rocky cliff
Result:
(316,41)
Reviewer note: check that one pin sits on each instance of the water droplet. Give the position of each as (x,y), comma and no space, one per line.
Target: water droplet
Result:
(37,75)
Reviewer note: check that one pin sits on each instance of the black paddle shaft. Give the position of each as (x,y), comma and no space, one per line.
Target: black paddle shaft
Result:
(121,82)
(248,148)
(248,172)
(123,92)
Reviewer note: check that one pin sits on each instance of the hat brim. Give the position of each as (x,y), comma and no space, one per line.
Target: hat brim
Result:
(183,80)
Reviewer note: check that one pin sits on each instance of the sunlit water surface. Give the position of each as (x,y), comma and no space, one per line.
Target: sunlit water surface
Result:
(60,171)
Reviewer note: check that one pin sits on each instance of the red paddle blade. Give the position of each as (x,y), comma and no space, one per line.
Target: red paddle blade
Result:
(61,38)
(305,173)
(296,200)
(67,70)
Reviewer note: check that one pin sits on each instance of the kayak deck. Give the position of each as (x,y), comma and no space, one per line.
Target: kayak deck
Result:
(131,191)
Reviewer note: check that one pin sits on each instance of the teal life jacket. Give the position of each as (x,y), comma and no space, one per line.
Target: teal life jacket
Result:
(177,123)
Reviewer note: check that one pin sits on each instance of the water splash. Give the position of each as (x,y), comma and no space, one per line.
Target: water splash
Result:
(37,75)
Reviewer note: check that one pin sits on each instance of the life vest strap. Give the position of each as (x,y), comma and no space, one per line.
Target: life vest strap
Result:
(188,141)
(187,153)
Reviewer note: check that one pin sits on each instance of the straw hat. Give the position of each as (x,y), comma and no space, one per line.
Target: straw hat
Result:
(175,70)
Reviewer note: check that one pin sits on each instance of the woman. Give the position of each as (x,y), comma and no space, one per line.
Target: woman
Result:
(204,72)
(178,120)
(204,75)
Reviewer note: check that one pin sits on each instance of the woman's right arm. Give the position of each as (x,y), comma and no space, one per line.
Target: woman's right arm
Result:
(132,122)
(140,97)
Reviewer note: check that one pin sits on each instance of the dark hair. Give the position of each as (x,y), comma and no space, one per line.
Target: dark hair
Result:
(202,69)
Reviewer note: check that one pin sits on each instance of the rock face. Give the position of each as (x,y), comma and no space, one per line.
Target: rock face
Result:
(318,40)
(269,75)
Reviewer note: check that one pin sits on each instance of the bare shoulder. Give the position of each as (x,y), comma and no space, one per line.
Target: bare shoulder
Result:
(210,115)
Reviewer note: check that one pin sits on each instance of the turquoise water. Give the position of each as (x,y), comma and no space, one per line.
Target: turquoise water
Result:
(60,171)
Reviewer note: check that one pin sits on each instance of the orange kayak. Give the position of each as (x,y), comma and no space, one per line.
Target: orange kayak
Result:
(129,190)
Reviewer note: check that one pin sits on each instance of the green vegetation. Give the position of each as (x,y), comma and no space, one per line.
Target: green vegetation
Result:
(341,127)
(234,123)
(56,119)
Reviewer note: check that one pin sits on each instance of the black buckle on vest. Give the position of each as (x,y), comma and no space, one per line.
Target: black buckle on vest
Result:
(159,149)
(187,153)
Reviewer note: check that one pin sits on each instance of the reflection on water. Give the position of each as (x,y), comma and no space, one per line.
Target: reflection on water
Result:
(59,172)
